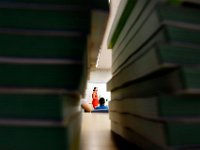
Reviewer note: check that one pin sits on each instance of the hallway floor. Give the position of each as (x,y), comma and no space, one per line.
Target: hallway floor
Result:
(96,134)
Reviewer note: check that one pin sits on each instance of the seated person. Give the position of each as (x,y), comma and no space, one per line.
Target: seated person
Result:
(102,104)
(85,105)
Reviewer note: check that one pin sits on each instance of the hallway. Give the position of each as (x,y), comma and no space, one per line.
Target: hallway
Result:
(95,134)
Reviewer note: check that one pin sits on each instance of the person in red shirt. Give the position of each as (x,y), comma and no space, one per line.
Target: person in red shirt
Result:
(95,98)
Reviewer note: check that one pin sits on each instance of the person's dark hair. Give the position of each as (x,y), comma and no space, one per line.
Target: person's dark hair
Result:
(101,101)
(94,88)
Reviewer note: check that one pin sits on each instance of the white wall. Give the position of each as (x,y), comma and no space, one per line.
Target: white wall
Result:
(100,75)
(105,55)
(102,91)
(98,78)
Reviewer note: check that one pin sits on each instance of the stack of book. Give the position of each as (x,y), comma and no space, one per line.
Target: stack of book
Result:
(43,61)
(155,85)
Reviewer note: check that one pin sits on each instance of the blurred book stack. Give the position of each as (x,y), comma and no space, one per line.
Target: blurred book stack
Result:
(155,85)
(44,68)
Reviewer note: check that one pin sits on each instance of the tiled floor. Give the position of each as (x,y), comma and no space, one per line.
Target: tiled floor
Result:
(96,134)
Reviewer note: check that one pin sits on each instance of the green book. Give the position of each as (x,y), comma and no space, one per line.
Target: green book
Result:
(183,2)
(128,17)
(154,58)
(118,17)
(40,135)
(133,137)
(183,80)
(129,12)
(54,2)
(160,106)
(40,75)
(70,17)
(38,106)
(59,4)
(51,29)
(124,11)
(164,133)
(42,46)
(45,19)
(183,18)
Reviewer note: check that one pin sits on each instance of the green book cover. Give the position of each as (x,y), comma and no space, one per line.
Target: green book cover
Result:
(166,134)
(16,138)
(160,106)
(134,19)
(42,46)
(129,12)
(40,135)
(40,75)
(119,13)
(183,80)
(51,29)
(133,137)
(183,2)
(51,17)
(154,58)
(52,2)
(126,9)
(38,106)
(94,4)
(184,19)
(45,19)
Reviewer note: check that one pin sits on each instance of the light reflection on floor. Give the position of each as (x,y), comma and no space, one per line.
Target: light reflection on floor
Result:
(96,133)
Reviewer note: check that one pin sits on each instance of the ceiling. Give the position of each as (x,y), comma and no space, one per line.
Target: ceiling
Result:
(104,58)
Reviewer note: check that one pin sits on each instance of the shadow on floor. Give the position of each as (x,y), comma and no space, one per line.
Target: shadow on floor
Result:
(123,144)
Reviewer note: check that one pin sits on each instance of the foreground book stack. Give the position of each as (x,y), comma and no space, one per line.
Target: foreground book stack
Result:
(155,87)
(43,60)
